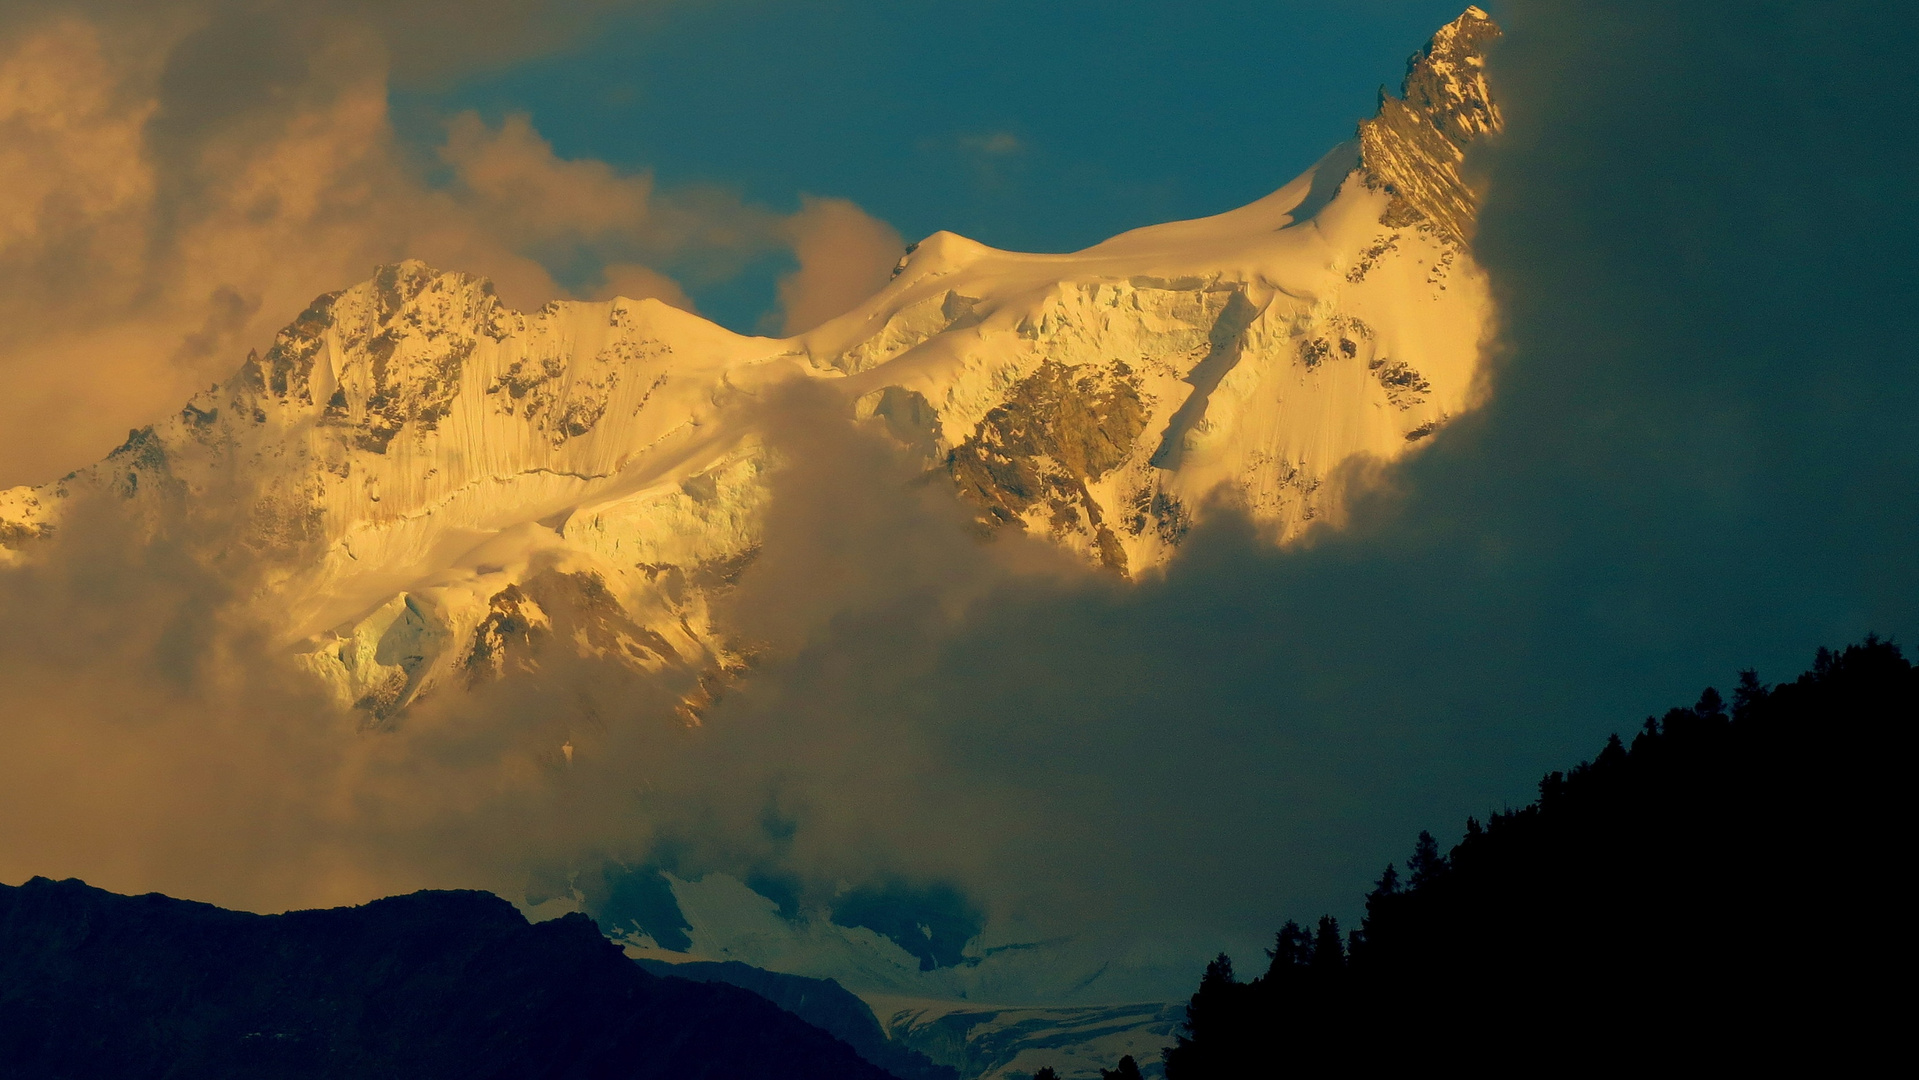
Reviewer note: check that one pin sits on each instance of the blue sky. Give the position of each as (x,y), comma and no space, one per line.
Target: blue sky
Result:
(1041,126)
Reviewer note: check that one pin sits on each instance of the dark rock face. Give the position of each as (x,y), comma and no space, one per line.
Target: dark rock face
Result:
(823,1003)
(1060,429)
(556,605)
(435,984)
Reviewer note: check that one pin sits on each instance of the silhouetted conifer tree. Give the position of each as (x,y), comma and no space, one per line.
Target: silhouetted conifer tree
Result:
(1329,953)
(1292,951)
(1222,1034)
(1613,754)
(1128,1070)
(1388,882)
(1749,691)
(1426,864)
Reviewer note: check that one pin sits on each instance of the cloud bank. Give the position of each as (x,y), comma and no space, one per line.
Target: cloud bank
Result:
(1697,453)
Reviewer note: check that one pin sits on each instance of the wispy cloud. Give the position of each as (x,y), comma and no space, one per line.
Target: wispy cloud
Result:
(993,144)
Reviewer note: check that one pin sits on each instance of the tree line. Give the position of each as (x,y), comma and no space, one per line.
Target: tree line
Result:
(1719,890)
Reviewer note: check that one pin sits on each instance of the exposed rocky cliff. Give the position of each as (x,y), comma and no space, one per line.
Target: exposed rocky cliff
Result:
(1414,147)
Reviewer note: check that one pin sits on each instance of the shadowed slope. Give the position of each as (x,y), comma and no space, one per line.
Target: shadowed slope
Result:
(435,984)
(823,1003)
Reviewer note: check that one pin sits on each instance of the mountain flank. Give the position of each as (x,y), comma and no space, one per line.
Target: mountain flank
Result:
(823,1003)
(429,985)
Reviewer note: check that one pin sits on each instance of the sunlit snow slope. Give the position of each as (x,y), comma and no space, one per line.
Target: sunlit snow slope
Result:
(445,487)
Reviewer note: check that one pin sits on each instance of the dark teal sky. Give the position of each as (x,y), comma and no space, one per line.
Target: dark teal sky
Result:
(1043,126)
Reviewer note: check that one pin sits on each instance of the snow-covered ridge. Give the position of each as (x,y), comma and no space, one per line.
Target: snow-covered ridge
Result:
(444,488)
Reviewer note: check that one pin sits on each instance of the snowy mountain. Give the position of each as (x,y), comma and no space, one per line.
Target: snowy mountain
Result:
(443,486)
(432,492)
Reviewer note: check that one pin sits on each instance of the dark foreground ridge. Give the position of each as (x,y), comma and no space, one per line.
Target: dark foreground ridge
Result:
(823,1003)
(435,984)
(1718,893)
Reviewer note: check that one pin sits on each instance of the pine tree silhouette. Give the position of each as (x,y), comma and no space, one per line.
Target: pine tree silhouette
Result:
(1219,1037)
(1329,954)
(1292,951)
(1388,882)
(1426,864)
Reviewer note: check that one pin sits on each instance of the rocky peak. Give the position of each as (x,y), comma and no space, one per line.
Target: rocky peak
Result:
(1413,147)
(380,354)
(1447,79)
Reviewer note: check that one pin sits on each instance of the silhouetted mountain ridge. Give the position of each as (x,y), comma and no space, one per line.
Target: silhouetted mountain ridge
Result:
(824,1003)
(433,984)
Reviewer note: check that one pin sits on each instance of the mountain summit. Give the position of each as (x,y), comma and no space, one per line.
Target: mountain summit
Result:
(1413,147)
(445,488)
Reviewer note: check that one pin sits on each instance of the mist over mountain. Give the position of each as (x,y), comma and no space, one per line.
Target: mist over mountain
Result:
(1350,510)
(560,541)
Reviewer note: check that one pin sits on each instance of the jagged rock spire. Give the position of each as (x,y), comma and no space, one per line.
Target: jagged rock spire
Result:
(1412,148)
